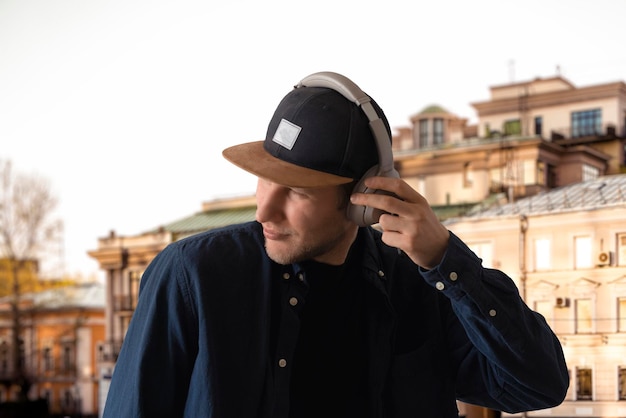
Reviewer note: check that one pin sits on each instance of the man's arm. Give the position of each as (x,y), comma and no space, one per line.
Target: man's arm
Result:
(152,372)
(512,360)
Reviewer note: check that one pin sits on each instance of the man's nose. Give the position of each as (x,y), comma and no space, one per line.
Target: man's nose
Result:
(268,197)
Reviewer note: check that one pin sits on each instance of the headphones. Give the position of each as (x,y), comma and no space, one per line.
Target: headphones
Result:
(362,215)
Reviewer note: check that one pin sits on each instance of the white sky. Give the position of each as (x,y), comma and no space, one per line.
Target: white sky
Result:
(125,105)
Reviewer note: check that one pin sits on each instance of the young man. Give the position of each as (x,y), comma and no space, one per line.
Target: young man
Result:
(309,312)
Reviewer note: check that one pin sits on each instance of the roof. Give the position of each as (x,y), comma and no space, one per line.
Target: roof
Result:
(602,192)
(211,219)
(434,108)
(82,295)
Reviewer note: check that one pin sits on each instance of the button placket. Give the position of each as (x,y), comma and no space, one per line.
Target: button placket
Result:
(292,293)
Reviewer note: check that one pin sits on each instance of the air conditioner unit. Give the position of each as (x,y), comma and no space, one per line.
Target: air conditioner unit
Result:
(562,302)
(605,258)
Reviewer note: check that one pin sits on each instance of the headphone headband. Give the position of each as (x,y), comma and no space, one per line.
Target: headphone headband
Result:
(362,215)
(352,92)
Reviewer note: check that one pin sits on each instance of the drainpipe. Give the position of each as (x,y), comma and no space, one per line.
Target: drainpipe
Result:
(523,227)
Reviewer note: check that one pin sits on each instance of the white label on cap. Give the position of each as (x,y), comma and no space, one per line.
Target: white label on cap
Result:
(286,134)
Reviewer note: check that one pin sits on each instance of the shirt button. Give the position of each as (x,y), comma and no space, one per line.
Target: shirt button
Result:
(440,285)
(282,363)
(381,273)
(453,276)
(293,301)
(492,312)
(286,276)
(301,277)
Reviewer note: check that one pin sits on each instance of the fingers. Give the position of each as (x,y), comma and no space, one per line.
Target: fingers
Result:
(410,224)
(398,193)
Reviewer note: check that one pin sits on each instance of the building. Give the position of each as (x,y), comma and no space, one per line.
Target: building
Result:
(124,259)
(566,250)
(61,331)
(530,137)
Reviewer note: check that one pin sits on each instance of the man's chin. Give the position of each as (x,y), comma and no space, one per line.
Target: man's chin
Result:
(283,253)
(278,255)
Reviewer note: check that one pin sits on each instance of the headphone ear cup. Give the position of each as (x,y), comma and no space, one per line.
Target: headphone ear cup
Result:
(364,215)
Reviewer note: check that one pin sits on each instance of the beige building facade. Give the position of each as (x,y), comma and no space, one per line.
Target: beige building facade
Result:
(566,250)
(530,137)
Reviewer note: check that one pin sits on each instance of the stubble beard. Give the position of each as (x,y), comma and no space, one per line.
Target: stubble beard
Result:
(299,253)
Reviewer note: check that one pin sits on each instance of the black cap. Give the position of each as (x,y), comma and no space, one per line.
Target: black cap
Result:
(317,137)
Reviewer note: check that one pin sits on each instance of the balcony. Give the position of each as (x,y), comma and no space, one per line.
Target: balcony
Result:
(109,351)
(124,303)
(569,135)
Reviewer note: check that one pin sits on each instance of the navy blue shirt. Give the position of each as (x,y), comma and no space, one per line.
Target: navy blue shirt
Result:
(217,325)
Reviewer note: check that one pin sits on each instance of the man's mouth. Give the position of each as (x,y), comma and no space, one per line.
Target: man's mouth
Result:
(273,234)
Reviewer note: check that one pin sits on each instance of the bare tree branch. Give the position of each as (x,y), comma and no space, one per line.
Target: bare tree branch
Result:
(27,228)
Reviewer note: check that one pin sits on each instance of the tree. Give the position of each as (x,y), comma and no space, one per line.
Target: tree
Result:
(27,229)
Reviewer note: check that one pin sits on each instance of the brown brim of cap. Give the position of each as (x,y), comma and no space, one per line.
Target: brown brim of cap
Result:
(253,158)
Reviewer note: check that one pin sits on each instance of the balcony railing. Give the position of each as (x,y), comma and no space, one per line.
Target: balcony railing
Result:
(607,130)
(109,351)
(123,303)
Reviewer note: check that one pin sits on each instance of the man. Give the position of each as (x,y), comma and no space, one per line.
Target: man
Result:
(310,312)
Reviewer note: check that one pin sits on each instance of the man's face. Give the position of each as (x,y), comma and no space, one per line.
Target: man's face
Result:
(304,224)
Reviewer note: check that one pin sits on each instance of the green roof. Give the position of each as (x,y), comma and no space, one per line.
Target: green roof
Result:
(217,218)
(203,221)
(433,109)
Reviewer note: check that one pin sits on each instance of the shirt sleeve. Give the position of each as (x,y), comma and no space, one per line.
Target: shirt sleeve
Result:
(509,358)
(155,363)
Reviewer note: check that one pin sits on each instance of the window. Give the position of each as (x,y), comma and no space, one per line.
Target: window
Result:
(586,122)
(583,316)
(512,127)
(423,133)
(538,125)
(467,177)
(582,252)
(621,249)
(541,173)
(4,358)
(67,358)
(621,383)
(590,172)
(484,251)
(621,314)
(583,384)
(437,131)
(124,322)
(544,307)
(67,401)
(542,254)
(47,359)
(21,350)
(135,278)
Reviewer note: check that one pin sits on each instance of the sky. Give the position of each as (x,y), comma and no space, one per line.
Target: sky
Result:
(124,106)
